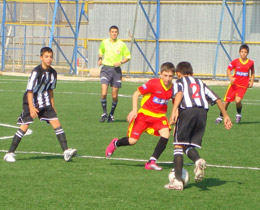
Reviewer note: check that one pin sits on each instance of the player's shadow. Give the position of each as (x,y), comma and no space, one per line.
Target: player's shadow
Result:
(47,157)
(207,183)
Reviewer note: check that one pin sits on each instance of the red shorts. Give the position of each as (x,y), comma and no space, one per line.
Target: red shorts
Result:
(233,91)
(144,123)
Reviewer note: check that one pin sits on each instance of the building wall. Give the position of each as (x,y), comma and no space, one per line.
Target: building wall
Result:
(188,31)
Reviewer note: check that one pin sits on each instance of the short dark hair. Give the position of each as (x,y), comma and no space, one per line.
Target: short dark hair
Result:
(45,49)
(114,27)
(184,68)
(168,66)
(244,46)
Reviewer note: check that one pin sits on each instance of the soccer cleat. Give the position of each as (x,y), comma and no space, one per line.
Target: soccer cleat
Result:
(9,157)
(174,185)
(238,118)
(103,117)
(69,153)
(110,118)
(199,170)
(111,148)
(152,166)
(219,120)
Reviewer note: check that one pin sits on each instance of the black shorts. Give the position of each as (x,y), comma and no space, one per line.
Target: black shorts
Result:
(45,114)
(111,75)
(190,127)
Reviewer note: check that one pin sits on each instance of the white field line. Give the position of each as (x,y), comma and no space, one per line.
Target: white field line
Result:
(130,159)
(29,131)
(246,101)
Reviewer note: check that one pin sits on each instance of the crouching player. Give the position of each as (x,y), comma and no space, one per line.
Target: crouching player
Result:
(190,115)
(151,117)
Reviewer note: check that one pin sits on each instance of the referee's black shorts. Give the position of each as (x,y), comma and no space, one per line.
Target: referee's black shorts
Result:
(190,127)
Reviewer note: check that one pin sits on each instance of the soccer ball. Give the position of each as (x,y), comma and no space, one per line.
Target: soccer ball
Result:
(185,176)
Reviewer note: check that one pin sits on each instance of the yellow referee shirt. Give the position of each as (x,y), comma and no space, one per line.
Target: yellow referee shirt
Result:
(113,52)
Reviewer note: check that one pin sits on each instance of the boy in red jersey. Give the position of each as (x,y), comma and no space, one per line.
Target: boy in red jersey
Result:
(240,81)
(151,117)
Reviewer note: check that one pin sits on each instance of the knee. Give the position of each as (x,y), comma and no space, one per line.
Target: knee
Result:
(132,141)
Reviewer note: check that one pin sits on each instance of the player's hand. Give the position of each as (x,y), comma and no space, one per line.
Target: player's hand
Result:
(227,123)
(174,116)
(117,64)
(250,85)
(34,112)
(131,116)
(232,79)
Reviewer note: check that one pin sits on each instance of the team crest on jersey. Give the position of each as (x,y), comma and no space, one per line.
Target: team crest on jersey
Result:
(144,86)
(160,101)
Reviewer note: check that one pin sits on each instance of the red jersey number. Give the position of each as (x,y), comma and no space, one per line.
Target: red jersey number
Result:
(196,92)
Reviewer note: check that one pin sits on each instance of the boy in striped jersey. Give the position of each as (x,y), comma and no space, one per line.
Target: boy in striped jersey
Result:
(189,112)
(151,117)
(38,102)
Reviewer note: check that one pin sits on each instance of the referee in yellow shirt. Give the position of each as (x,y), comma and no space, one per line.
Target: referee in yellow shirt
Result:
(112,54)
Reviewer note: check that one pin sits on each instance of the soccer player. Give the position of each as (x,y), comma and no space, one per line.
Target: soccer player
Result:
(112,54)
(151,116)
(189,112)
(239,81)
(38,101)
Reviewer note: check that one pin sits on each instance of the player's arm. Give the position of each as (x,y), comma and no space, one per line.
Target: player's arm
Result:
(51,98)
(33,111)
(100,57)
(227,121)
(175,112)
(231,78)
(252,76)
(133,114)
(101,51)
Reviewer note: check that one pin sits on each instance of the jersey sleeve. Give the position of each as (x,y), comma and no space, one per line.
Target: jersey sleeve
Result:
(32,81)
(126,52)
(101,49)
(146,88)
(176,87)
(53,80)
(211,97)
(232,65)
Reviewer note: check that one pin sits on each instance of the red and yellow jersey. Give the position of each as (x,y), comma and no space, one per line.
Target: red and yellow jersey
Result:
(241,71)
(155,98)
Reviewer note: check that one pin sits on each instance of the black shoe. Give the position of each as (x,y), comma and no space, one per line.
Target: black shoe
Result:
(110,118)
(103,117)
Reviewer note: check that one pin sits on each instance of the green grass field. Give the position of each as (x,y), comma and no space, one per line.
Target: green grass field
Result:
(41,179)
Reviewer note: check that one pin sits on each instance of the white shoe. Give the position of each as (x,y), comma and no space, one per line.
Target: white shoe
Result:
(69,153)
(174,185)
(9,157)
(199,170)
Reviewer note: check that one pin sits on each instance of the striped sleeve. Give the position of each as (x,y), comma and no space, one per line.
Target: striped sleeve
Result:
(32,81)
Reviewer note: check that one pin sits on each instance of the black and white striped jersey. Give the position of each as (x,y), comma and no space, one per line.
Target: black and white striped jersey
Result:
(195,93)
(40,82)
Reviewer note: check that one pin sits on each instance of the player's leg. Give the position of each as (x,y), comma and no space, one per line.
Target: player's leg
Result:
(106,74)
(104,90)
(24,121)
(135,129)
(9,157)
(116,84)
(238,99)
(160,147)
(114,104)
(177,183)
(125,141)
